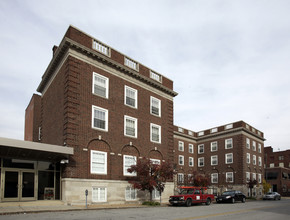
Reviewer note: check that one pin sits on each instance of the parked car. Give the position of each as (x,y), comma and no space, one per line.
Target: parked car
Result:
(191,195)
(231,196)
(272,195)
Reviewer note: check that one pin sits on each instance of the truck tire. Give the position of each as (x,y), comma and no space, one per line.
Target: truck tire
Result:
(188,202)
(208,201)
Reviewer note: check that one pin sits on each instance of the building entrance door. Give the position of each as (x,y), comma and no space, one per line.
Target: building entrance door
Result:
(19,185)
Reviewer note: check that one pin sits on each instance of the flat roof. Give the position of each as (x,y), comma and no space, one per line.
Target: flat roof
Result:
(33,150)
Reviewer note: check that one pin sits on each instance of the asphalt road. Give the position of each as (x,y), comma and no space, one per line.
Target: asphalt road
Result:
(266,210)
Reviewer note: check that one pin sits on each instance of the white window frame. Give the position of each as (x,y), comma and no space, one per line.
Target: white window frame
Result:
(248,143)
(155,76)
(190,148)
(190,161)
(281,164)
(254,176)
(135,91)
(180,178)
(231,174)
(131,63)
(201,160)
(96,194)
(155,194)
(260,161)
(248,158)
(102,48)
(94,161)
(231,143)
(155,161)
(248,176)
(106,85)
(180,145)
(212,159)
(125,166)
(152,99)
(130,193)
(212,145)
(259,148)
(214,176)
(228,156)
(181,130)
(259,178)
(135,126)
(180,160)
(159,133)
(254,146)
(229,126)
(106,117)
(200,148)
(254,160)
(213,130)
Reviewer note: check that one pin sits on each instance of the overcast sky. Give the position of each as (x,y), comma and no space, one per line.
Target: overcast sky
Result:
(229,59)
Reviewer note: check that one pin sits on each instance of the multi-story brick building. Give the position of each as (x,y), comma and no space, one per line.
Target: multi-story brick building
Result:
(111,109)
(277,170)
(230,155)
(98,112)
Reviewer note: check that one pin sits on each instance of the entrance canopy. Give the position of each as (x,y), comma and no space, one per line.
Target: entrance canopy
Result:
(11,148)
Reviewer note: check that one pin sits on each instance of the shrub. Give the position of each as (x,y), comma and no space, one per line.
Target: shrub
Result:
(151,203)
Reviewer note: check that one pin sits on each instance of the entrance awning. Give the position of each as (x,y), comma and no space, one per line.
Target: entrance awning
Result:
(11,148)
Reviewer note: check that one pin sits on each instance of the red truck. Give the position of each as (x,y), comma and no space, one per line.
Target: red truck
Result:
(191,195)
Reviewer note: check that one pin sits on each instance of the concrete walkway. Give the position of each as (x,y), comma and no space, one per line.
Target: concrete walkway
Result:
(7,208)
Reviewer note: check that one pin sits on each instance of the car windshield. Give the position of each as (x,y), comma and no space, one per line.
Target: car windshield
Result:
(270,193)
(186,191)
(228,193)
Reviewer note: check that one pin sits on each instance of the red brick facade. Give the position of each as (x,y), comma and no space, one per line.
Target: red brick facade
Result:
(67,100)
(239,133)
(63,115)
(277,170)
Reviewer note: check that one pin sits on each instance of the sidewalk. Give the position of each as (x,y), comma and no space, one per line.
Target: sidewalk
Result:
(7,208)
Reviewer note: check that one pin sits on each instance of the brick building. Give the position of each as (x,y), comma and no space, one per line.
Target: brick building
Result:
(109,108)
(277,170)
(98,112)
(229,155)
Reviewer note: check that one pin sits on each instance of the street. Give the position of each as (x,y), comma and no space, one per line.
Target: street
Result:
(265,210)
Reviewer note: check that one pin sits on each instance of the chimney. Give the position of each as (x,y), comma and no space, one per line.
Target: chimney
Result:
(54,49)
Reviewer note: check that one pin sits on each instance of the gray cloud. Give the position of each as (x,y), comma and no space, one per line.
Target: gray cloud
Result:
(228,59)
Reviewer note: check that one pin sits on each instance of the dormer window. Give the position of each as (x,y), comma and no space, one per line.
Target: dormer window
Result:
(101,48)
(130,63)
(155,76)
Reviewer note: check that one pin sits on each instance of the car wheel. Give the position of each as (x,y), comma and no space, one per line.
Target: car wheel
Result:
(233,200)
(243,200)
(208,201)
(279,198)
(188,202)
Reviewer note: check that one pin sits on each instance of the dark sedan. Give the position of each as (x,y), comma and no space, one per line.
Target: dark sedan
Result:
(231,196)
(272,195)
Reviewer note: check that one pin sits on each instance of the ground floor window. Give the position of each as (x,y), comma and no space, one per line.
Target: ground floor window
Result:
(155,194)
(99,194)
(130,193)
